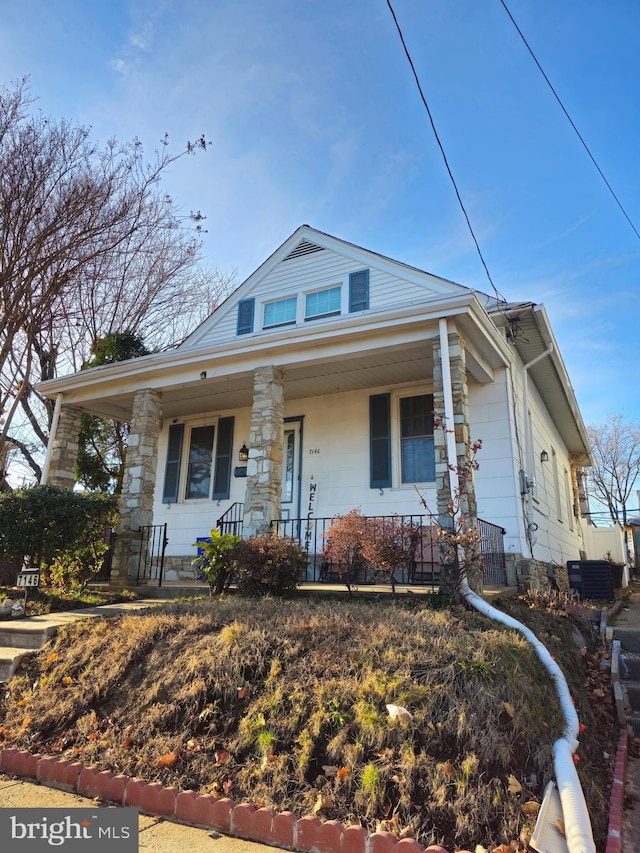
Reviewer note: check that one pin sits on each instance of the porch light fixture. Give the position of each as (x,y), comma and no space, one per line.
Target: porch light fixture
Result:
(243,453)
(544,456)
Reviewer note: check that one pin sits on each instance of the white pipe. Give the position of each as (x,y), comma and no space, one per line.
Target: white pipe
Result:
(577,824)
(578,832)
(52,437)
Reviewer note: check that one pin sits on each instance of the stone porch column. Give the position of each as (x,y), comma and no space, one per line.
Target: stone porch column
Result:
(136,499)
(466,501)
(64,450)
(264,468)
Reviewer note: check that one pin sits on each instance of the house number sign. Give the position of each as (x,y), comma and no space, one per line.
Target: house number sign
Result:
(314,451)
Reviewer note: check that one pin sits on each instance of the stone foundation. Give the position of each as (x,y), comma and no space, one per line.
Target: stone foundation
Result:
(529,574)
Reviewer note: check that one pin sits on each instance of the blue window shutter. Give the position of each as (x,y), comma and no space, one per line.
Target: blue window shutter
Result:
(359,291)
(245,316)
(380,440)
(222,475)
(172,469)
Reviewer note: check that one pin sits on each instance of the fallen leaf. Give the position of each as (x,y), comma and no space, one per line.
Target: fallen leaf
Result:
(431,726)
(222,756)
(397,712)
(67,679)
(559,825)
(21,702)
(509,709)
(26,722)
(514,786)
(323,803)
(343,772)
(329,770)
(531,808)
(243,692)
(447,769)
(127,743)
(168,759)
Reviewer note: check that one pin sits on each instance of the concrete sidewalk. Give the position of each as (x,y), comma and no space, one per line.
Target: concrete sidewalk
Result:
(156,834)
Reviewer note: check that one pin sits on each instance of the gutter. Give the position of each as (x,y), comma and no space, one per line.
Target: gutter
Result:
(578,832)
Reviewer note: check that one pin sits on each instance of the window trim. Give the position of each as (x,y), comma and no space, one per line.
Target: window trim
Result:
(316,290)
(219,476)
(397,438)
(280,301)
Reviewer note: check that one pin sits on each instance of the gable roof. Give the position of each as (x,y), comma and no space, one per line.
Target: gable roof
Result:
(303,243)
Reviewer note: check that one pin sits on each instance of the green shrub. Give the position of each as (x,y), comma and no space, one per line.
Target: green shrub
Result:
(57,530)
(268,565)
(217,561)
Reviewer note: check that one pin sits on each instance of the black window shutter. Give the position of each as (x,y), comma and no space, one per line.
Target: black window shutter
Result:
(245,316)
(380,440)
(172,469)
(359,291)
(222,475)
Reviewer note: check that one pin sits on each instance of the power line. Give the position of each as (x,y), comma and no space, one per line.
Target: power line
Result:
(499,296)
(571,122)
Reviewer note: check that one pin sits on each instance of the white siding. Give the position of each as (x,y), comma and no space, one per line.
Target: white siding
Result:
(299,275)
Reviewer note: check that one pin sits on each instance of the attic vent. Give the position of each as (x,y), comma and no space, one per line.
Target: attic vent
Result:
(304,247)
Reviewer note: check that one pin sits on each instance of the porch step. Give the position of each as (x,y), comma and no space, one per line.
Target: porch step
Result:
(23,635)
(629,638)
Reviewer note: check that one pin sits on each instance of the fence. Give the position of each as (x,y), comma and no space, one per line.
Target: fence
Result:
(421,569)
(153,543)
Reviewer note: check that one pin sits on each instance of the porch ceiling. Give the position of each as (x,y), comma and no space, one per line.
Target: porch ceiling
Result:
(392,366)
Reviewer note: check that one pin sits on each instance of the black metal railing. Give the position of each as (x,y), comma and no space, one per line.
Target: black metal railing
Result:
(421,568)
(231,520)
(153,543)
(492,550)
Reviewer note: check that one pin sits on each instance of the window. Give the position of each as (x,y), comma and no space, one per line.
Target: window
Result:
(200,458)
(203,465)
(280,312)
(417,453)
(414,458)
(322,303)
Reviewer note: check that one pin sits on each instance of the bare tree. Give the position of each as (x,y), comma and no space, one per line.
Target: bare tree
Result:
(616,452)
(89,245)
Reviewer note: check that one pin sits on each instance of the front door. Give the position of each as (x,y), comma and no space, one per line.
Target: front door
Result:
(291,467)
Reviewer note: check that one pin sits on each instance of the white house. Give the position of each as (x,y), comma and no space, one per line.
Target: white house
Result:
(327,368)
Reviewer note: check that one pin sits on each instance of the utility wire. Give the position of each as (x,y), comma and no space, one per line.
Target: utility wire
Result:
(499,296)
(578,134)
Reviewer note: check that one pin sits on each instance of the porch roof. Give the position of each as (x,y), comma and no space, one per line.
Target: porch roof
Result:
(376,348)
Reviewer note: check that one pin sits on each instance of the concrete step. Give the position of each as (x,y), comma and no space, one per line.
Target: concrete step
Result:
(10,659)
(629,638)
(23,634)
(630,665)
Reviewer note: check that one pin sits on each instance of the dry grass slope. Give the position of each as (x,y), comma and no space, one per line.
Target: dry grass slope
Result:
(284,704)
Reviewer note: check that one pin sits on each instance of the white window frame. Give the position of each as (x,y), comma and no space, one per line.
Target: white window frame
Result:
(324,289)
(396,438)
(280,301)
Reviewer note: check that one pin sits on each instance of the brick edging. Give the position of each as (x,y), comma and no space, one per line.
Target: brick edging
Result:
(244,820)
(614,836)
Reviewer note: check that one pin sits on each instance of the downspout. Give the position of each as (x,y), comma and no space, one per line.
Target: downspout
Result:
(526,481)
(52,437)
(578,833)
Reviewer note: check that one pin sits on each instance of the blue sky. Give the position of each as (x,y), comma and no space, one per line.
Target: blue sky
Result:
(314,117)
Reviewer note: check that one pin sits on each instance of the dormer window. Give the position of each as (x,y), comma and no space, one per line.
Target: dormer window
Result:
(280,312)
(322,303)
